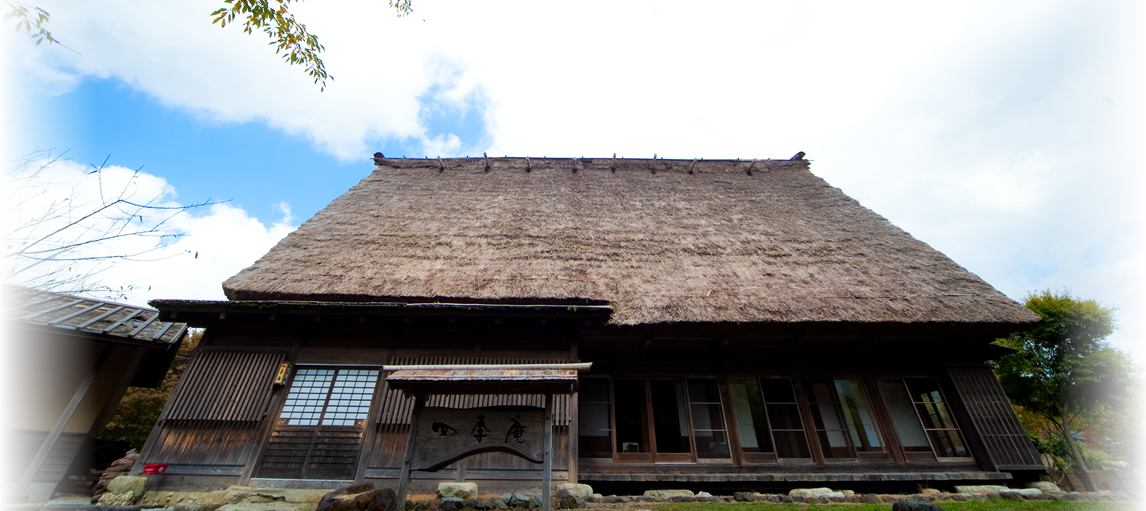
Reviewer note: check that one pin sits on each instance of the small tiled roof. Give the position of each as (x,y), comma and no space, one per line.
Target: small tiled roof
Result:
(88,315)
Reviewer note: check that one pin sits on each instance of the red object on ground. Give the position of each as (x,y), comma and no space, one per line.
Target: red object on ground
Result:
(155,468)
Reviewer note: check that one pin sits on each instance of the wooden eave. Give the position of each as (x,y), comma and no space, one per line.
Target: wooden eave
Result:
(486,379)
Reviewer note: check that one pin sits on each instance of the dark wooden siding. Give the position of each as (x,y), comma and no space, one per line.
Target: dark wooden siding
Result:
(312,453)
(23,446)
(394,423)
(211,447)
(226,386)
(993,418)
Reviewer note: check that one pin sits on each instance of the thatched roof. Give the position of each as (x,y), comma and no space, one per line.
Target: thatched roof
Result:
(659,240)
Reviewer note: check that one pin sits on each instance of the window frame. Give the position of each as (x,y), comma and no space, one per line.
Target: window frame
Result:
(370,398)
(950,413)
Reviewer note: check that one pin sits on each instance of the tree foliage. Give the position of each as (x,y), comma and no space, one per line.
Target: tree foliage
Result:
(1063,371)
(139,409)
(273,17)
(30,17)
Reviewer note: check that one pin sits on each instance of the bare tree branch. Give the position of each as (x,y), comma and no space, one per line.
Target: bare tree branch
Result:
(63,244)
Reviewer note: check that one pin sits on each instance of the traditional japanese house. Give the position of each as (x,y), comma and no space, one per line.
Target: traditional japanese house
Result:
(749,327)
(69,360)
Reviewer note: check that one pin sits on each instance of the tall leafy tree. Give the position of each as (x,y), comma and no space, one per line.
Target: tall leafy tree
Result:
(1064,370)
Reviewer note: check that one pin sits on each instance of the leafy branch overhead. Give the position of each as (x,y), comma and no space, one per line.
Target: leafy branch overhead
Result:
(288,35)
(273,17)
(33,20)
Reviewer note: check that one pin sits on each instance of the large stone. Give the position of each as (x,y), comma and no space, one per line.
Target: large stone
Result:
(665,495)
(981,489)
(118,499)
(809,492)
(1011,495)
(123,484)
(358,497)
(744,496)
(577,491)
(451,504)
(194,506)
(871,498)
(1045,486)
(915,504)
(243,497)
(458,490)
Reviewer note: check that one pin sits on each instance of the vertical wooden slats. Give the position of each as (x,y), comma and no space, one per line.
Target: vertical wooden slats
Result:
(21,446)
(991,413)
(197,442)
(226,386)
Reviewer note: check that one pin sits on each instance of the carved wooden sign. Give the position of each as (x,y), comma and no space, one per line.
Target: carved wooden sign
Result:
(446,435)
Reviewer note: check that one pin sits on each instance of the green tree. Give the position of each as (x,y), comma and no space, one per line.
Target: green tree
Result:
(1063,370)
(139,409)
(272,17)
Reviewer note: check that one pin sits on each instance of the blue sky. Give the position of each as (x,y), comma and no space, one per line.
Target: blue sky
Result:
(254,166)
(1005,135)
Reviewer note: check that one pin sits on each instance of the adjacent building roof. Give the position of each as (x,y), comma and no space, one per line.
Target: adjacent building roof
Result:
(72,314)
(658,240)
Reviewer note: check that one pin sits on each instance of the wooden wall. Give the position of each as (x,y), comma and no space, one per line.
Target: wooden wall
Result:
(22,446)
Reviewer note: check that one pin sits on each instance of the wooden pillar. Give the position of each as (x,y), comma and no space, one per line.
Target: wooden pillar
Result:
(408,457)
(547,461)
(460,470)
(62,422)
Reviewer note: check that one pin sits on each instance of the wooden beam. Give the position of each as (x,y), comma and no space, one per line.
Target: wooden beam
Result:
(408,456)
(62,421)
(691,165)
(547,462)
(613,166)
(486,157)
(528,166)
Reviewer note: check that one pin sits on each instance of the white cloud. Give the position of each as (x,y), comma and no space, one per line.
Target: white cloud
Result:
(200,248)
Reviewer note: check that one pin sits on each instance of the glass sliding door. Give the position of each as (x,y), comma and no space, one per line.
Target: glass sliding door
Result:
(666,420)
(751,420)
(842,416)
(669,421)
(936,417)
(632,435)
(784,417)
(708,419)
(922,418)
(593,421)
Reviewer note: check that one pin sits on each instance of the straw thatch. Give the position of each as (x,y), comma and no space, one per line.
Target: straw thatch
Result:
(732,241)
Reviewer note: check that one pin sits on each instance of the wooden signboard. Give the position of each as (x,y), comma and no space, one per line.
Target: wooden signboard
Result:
(445,435)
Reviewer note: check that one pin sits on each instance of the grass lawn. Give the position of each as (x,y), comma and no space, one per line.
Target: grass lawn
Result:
(990,505)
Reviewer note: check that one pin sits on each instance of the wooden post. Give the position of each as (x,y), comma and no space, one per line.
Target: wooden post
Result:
(460,470)
(65,417)
(547,461)
(408,458)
